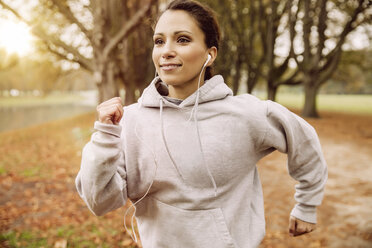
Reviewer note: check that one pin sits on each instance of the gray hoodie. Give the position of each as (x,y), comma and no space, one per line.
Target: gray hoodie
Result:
(193,166)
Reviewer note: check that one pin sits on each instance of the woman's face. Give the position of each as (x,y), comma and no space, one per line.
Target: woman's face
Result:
(179,51)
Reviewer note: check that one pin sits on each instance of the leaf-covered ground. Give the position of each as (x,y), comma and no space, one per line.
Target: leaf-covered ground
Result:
(39,206)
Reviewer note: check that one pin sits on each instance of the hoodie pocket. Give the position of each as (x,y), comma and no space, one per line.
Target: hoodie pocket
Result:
(163,225)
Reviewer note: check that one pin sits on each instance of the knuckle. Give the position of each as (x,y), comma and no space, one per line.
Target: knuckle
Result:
(301,230)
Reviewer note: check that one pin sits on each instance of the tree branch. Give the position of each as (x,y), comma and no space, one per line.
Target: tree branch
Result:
(292,33)
(350,24)
(290,80)
(66,11)
(64,57)
(322,26)
(262,16)
(86,63)
(333,57)
(7,7)
(307,23)
(126,30)
(331,67)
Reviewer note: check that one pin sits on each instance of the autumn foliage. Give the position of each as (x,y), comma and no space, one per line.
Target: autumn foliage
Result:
(39,205)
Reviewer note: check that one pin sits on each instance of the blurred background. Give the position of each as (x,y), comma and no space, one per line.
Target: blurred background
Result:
(60,58)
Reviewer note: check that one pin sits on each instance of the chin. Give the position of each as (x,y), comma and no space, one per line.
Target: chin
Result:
(171,80)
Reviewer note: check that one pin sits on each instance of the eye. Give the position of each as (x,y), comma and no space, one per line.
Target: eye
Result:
(158,41)
(183,39)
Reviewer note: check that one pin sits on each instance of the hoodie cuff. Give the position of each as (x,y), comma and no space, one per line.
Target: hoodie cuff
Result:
(108,128)
(304,212)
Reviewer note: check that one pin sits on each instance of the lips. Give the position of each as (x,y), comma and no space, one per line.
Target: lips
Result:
(168,67)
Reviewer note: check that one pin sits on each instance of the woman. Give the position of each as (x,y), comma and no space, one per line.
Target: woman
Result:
(186,154)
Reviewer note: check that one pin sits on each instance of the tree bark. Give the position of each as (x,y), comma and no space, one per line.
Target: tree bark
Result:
(310,105)
(271,93)
(251,83)
(107,86)
(237,76)
(130,96)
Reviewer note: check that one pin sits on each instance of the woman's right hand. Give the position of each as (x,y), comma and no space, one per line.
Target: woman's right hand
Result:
(110,111)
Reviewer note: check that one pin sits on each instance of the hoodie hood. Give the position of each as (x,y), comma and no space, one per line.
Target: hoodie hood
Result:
(212,89)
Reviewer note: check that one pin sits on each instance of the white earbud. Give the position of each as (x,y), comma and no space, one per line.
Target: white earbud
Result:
(206,62)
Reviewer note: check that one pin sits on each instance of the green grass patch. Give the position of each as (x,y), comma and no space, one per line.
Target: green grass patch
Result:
(65,231)
(3,171)
(52,99)
(350,104)
(24,239)
(31,172)
(72,235)
(355,104)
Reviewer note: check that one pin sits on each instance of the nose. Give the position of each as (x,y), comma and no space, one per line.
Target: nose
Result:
(168,51)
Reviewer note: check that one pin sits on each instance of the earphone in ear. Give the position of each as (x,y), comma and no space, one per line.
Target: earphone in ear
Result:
(206,62)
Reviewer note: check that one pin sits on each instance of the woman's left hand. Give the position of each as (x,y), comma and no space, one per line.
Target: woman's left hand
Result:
(298,227)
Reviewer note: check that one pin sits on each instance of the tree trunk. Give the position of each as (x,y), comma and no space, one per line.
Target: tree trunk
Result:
(271,92)
(309,109)
(107,91)
(236,80)
(130,96)
(106,83)
(251,83)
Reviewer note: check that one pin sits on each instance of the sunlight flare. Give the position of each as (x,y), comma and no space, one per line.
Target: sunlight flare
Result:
(15,37)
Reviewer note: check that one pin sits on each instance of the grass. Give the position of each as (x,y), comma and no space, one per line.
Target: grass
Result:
(28,239)
(351,104)
(2,170)
(23,239)
(54,99)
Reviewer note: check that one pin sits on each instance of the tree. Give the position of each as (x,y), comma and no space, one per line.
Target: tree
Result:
(134,55)
(250,34)
(7,61)
(31,74)
(272,16)
(316,61)
(98,27)
(351,76)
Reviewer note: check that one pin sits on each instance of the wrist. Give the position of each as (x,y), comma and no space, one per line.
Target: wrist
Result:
(305,213)
(108,128)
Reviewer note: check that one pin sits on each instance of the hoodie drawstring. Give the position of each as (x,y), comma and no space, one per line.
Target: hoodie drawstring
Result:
(166,144)
(193,115)
(134,236)
(202,153)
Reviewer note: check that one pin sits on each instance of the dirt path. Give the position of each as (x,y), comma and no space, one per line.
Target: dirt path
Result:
(45,202)
(345,217)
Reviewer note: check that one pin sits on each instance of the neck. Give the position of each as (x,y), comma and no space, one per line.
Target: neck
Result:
(183,91)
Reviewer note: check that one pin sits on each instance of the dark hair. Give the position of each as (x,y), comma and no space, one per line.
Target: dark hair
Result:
(207,22)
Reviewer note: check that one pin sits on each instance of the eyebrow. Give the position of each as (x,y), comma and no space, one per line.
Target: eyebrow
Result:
(176,32)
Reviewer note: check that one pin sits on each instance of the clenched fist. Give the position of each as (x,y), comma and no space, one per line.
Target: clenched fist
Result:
(110,111)
(298,227)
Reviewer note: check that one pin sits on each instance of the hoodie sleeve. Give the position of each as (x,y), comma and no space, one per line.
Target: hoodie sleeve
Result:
(289,133)
(101,181)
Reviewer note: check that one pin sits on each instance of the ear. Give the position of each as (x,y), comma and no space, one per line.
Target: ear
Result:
(212,51)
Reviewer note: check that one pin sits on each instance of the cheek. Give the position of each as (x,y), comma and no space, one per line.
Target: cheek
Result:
(155,57)
(194,56)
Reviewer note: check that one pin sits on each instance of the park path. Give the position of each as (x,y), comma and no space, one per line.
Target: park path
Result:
(345,217)
(45,202)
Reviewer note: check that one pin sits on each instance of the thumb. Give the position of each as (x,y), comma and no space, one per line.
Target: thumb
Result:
(292,226)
